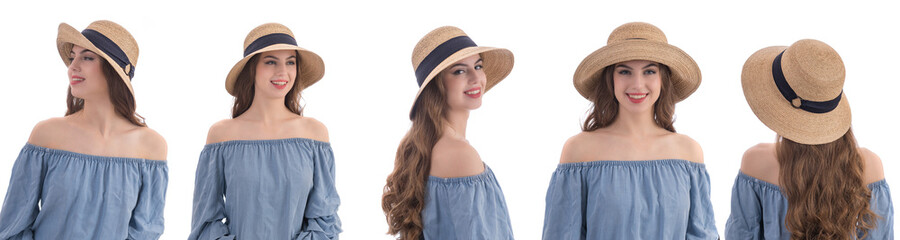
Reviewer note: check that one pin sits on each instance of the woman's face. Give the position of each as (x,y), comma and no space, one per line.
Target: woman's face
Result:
(464,82)
(637,85)
(86,78)
(276,72)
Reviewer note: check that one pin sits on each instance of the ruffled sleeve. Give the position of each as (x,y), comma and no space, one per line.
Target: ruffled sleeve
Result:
(757,210)
(21,205)
(209,198)
(882,205)
(745,221)
(320,218)
(147,217)
(701,221)
(565,206)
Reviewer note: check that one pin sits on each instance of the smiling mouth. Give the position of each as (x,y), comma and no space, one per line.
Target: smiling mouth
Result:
(474,92)
(76,80)
(636,96)
(279,82)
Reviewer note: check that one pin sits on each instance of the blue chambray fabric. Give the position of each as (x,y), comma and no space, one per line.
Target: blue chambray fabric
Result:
(656,199)
(758,209)
(266,189)
(56,194)
(470,208)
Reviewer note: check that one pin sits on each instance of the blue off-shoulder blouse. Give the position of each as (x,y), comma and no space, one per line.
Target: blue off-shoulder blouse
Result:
(471,208)
(656,199)
(266,189)
(56,194)
(758,209)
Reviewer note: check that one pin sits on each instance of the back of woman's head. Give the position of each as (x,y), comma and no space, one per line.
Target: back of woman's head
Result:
(404,192)
(824,185)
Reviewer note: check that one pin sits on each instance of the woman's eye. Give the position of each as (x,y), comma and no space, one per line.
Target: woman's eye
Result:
(270,62)
(478,67)
(650,72)
(292,63)
(625,72)
(458,72)
(88,58)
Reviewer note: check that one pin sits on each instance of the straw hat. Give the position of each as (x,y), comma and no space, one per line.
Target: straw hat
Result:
(272,37)
(638,41)
(806,103)
(446,45)
(105,38)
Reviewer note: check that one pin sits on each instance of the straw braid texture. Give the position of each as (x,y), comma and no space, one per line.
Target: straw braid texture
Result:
(639,41)
(312,68)
(68,36)
(497,62)
(816,72)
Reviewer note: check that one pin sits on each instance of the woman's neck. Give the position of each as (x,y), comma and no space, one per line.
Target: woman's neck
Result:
(100,115)
(634,124)
(456,123)
(269,111)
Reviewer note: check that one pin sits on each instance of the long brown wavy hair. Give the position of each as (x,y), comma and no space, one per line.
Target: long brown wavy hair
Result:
(605,107)
(121,98)
(404,192)
(245,87)
(827,196)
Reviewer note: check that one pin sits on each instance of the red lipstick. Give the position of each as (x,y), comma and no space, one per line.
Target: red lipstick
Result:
(473,92)
(281,86)
(73,81)
(637,97)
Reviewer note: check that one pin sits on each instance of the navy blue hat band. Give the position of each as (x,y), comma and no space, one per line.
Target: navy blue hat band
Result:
(440,53)
(111,49)
(269,40)
(788,93)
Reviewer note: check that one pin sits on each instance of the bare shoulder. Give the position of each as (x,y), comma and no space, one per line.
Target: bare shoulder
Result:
(578,148)
(46,131)
(455,158)
(220,131)
(153,143)
(688,148)
(873,170)
(761,162)
(313,129)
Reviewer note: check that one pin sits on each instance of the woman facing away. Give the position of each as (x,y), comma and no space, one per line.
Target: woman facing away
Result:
(98,172)
(269,171)
(440,188)
(628,175)
(814,182)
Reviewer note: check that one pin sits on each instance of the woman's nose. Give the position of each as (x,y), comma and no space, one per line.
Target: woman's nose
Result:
(74,65)
(476,76)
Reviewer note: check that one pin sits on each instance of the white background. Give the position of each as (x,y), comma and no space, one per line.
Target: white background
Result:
(187,48)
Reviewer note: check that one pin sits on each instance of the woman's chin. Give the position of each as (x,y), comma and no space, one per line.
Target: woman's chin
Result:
(271,95)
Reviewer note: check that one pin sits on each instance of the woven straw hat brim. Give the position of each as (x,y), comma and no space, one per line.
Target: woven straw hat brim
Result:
(685,72)
(69,36)
(312,68)
(497,64)
(778,114)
